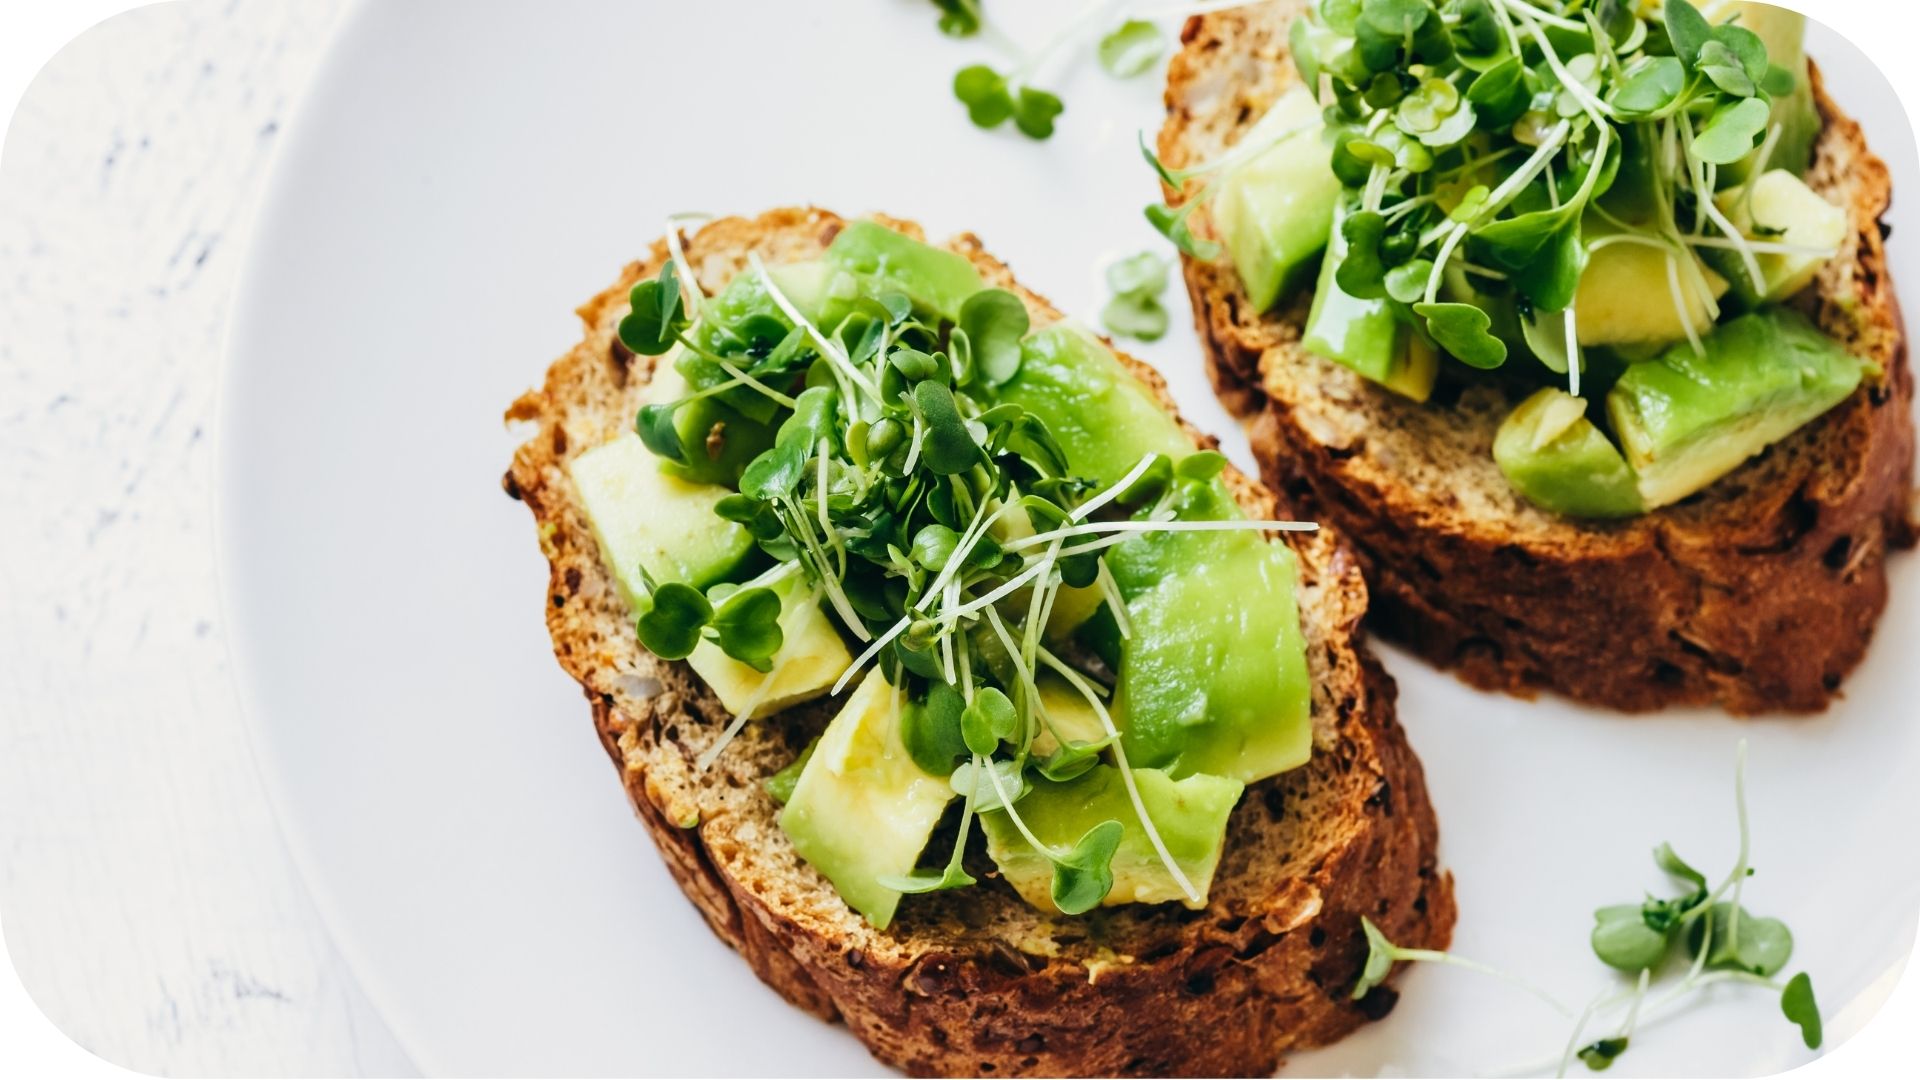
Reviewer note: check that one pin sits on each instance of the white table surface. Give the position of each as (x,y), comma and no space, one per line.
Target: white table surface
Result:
(147,901)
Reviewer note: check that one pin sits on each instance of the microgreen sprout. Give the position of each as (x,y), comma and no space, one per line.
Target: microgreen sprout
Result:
(1722,941)
(897,491)
(1135,310)
(1130,44)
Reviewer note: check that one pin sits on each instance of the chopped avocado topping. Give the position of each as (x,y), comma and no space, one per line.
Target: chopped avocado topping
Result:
(649,523)
(1191,814)
(1687,419)
(1794,230)
(1625,293)
(1274,211)
(1576,185)
(1194,697)
(938,281)
(862,810)
(810,658)
(946,502)
(1365,335)
(1556,457)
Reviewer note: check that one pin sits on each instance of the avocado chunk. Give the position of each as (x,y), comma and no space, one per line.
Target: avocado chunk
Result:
(1274,211)
(1685,420)
(1364,334)
(717,440)
(862,810)
(1104,419)
(1626,298)
(1561,461)
(1781,209)
(811,657)
(647,520)
(1193,696)
(1214,677)
(1190,815)
(937,280)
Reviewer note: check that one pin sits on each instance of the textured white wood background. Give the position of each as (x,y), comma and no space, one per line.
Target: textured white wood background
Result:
(147,900)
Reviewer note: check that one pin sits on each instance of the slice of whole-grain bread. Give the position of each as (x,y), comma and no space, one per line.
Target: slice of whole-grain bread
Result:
(1759,593)
(975,980)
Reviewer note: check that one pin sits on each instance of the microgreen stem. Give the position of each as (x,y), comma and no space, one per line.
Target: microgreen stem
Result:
(1079,683)
(836,357)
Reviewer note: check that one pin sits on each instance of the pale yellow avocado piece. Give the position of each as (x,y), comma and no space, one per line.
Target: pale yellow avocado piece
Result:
(810,659)
(1625,297)
(1274,211)
(1190,816)
(1069,716)
(862,810)
(1789,212)
(644,518)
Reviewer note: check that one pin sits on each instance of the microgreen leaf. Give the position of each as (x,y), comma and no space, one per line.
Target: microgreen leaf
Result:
(1622,939)
(671,627)
(1172,224)
(1598,1055)
(656,429)
(657,316)
(813,418)
(959,18)
(1131,48)
(1140,318)
(1461,329)
(985,797)
(1071,760)
(1380,958)
(748,625)
(776,472)
(1796,1001)
(1034,110)
(994,321)
(1408,281)
(1499,94)
(1651,85)
(930,729)
(1362,273)
(1687,29)
(1759,945)
(1084,876)
(779,787)
(1729,134)
(1670,861)
(1144,274)
(1724,69)
(984,92)
(987,721)
(926,881)
(949,447)
(933,545)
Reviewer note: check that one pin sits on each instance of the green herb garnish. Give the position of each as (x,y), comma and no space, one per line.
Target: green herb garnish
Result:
(935,523)
(1722,941)
(1472,137)
(1135,311)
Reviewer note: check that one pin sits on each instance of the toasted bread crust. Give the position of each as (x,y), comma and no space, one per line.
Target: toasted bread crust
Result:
(1758,594)
(975,981)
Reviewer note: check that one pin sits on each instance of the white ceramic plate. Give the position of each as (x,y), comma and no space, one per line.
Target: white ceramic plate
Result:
(463,175)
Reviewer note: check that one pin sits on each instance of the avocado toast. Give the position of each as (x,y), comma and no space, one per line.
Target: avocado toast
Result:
(1708,521)
(989,977)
